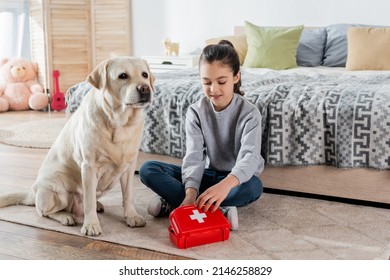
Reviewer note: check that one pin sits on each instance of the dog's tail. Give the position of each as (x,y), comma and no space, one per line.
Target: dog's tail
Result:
(24,198)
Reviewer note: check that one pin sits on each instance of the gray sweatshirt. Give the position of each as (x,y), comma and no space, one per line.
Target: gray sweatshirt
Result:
(229,140)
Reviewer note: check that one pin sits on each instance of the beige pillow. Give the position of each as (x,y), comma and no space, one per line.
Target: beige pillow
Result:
(238,41)
(368,48)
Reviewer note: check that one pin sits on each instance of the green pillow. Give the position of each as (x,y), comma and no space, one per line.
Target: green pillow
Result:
(272,47)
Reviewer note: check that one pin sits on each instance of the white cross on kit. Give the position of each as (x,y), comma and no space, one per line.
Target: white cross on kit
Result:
(198,216)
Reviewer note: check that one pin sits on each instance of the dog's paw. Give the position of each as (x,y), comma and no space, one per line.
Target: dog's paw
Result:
(135,221)
(68,221)
(91,229)
(65,218)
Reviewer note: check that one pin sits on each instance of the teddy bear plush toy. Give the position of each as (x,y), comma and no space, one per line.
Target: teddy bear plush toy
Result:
(19,88)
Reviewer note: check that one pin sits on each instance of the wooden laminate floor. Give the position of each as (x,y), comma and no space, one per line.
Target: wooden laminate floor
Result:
(18,167)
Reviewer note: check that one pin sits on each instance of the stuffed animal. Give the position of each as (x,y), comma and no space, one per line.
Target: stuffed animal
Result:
(171,47)
(19,88)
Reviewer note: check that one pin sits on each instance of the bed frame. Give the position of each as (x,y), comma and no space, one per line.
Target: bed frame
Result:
(357,184)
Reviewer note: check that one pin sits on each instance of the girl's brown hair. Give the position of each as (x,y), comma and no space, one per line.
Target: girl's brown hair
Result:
(224,53)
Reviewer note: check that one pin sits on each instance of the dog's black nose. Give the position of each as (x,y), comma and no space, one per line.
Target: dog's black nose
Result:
(144,93)
(143,89)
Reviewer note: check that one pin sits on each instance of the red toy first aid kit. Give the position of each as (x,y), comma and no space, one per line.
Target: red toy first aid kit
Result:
(190,226)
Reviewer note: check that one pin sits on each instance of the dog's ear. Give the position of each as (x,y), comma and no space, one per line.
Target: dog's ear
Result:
(151,77)
(98,77)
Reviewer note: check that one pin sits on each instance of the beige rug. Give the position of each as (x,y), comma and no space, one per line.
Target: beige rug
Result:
(32,134)
(274,227)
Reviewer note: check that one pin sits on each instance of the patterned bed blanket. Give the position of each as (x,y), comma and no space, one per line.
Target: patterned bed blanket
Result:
(337,120)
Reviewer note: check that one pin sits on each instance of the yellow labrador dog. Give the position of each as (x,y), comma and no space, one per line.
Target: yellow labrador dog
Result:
(97,149)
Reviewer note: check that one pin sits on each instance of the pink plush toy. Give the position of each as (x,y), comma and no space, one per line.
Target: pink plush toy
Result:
(19,88)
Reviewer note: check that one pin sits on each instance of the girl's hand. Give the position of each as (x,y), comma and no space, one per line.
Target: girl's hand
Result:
(212,198)
(190,197)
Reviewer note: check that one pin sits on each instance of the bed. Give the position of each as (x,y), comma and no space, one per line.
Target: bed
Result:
(326,129)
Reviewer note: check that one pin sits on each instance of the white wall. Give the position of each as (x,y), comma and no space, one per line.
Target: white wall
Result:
(191,22)
(14,20)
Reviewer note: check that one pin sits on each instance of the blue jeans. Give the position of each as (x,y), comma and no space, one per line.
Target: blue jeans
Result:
(165,180)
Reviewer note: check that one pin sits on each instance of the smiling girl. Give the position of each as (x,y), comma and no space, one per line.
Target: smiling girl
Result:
(223,142)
